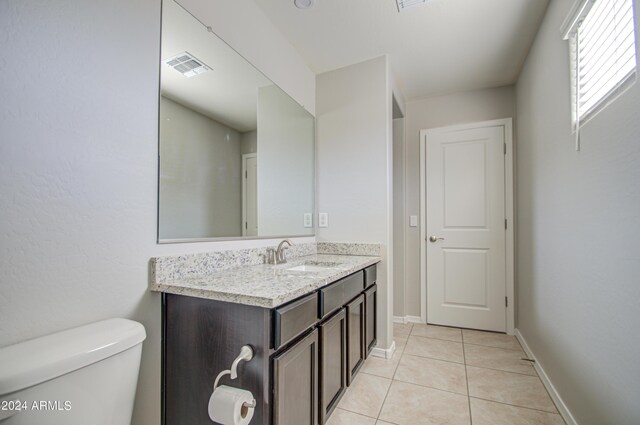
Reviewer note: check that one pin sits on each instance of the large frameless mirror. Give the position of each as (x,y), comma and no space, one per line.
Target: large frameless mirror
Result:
(236,152)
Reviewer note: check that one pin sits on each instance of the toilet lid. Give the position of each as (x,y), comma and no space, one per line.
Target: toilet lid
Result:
(41,359)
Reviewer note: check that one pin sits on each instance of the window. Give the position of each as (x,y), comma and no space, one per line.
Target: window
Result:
(603,54)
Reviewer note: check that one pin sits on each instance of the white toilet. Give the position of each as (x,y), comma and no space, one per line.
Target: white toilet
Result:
(81,376)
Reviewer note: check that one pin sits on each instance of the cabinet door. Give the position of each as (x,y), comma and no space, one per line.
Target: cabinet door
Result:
(333,363)
(371,326)
(355,337)
(295,383)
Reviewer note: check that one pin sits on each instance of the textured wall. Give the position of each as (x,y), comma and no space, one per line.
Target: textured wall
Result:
(578,249)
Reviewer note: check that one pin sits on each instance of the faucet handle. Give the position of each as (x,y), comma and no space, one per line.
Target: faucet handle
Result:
(271,257)
(283,257)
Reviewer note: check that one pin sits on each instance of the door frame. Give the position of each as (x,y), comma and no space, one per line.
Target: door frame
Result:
(245,157)
(507,124)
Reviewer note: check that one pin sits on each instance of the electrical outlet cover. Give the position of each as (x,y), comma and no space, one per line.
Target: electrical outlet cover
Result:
(308,220)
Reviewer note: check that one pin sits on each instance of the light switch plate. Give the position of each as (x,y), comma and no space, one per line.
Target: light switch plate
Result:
(308,220)
(413,221)
(323,220)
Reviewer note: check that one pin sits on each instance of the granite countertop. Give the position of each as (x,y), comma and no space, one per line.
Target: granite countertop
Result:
(266,285)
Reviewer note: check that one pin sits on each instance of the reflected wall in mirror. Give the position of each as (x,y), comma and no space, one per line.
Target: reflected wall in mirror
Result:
(236,152)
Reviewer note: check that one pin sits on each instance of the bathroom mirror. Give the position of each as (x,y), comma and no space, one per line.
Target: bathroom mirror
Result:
(236,152)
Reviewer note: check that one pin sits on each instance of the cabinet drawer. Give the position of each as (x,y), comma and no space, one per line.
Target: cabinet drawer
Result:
(294,318)
(336,295)
(370,276)
(331,298)
(353,285)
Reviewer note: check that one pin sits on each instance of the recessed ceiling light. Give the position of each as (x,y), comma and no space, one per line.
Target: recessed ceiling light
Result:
(303,4)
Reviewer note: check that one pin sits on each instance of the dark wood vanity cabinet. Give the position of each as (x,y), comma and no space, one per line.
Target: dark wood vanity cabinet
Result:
(371,325)
(333,362)
(295,383)
(355,336)
(201,338)
(306,352)
(371,309)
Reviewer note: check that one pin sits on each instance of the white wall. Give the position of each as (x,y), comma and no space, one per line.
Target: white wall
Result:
(285,164)
(78,166)
(254,36)
(249,142)
(440,111)
(578,245)
(398,218)
(354,145)
(200,175)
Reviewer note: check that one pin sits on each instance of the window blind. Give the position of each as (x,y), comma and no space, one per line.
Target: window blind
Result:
(605,54)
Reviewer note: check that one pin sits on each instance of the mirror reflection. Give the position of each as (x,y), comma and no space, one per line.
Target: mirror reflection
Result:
(236,152)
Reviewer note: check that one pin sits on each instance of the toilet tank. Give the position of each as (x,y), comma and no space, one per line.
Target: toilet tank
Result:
(85,375)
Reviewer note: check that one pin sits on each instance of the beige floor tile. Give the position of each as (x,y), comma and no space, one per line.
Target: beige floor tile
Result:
(400,338)
(409,404)
(382,367)
(439,332)
(401,344)
(344,417)
(434,348)
(490,339)
(510,388)
(432,373)
(384,423)
(497,358)
(490,413)
(365,395)
(402,328)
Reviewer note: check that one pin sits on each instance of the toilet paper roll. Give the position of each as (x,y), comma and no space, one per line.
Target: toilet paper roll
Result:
(226,406)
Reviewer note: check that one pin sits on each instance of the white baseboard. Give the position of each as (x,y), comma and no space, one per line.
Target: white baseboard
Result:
(399,319)
(385,353)
(407,319)
(562,408)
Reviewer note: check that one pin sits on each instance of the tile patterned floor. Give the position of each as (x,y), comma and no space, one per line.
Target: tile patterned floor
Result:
(441,376)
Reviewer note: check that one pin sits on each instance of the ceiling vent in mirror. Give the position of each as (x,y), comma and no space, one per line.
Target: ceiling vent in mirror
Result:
(187,65)
(405,4)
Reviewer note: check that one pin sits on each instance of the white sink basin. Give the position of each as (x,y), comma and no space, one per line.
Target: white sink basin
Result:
(307,268)
(313,266)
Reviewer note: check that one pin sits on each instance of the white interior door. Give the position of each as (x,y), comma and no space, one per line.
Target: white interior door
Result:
(465,228)
(250,195)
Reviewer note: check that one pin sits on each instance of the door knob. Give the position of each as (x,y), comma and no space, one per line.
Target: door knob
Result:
(433,239)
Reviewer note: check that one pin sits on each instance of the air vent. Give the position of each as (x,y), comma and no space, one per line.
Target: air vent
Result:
(187,65)
(405,4)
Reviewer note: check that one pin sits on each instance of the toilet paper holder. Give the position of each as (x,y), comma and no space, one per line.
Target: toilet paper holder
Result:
(246,354)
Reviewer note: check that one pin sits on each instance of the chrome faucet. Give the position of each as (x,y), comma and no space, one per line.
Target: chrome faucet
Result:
(276,256)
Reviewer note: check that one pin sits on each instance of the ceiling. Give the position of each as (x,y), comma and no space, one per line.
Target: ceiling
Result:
(229,93)
(442,46)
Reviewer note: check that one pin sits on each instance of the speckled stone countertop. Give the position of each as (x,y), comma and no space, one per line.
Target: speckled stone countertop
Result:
(266,285)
